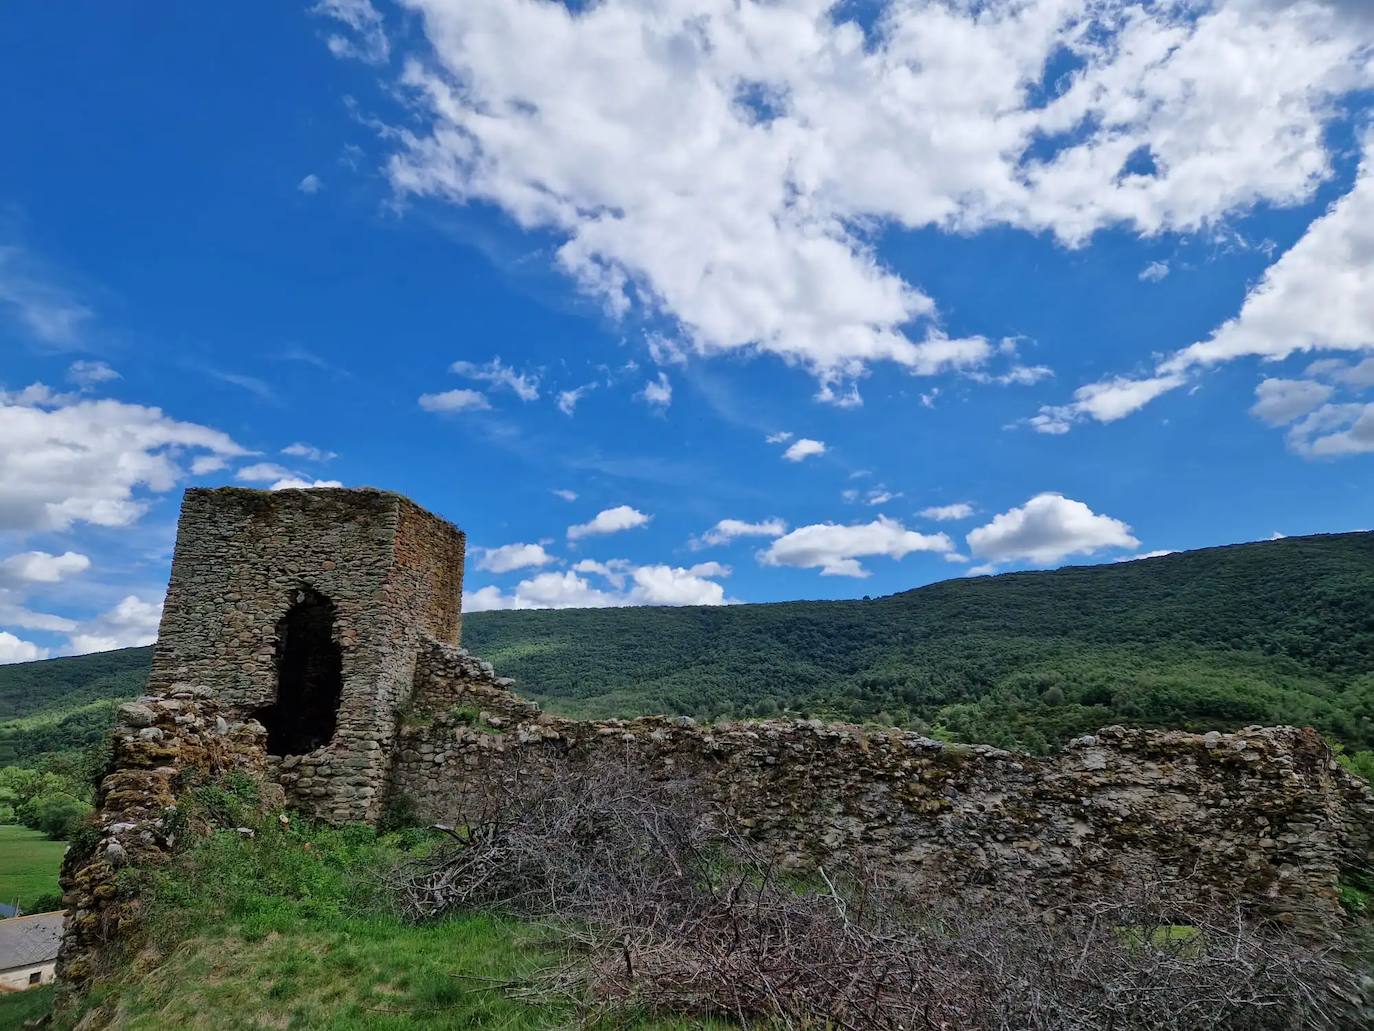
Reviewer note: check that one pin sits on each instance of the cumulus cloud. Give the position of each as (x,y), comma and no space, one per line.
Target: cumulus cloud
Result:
(1335,430)
(565,494)
(262,472)
(1280,401)
(308,452)
(628,585)
(610,520)
(512,556)
(723,162)
(523,385)
(835,550)
(657,392)
(1046,529)
(1154,272)
(87,374)
(781,437)
(1106,401)
(130,624)
(65,461)
(942,513)
(1314,298)
(300,483)
(455,401)
(15,649)
(728,530)
(310,184)
(40,567)
(803,449)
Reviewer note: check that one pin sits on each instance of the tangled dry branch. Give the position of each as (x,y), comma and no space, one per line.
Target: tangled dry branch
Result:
(671,913)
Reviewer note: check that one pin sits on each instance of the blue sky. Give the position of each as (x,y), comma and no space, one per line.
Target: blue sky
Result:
(1007,284)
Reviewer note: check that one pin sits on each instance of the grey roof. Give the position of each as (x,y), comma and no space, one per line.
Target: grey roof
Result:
(27,941)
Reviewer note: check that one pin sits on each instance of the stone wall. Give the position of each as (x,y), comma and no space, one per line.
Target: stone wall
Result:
(162,745)
(393,573)
(1265,812)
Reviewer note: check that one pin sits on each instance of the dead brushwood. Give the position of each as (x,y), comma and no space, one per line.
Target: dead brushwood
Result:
(664,910)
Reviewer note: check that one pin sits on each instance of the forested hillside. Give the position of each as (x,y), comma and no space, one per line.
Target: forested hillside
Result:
(1272,632)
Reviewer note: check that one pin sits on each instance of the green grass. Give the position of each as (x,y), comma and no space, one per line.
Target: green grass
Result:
(17,1008)
(293,929)
(28,865)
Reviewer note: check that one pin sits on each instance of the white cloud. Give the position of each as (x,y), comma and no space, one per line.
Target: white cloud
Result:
(941,513)
(725,162)
(657,392)
(567,399)
(881,496)
(14,649)
(632,585)
(523,385)
(310,184)
(66,461)
(299,483)
(1356,375)
(728,530)
(836,549)
(616,570)
(208,464)
(1154,271)
(610,520)
(455,401)
(308,452)
(566,495)
(1047,528)
(40,567)
(262,472)
(366,39)
(1106,401)
(804,448)
(1280,401)
(512,556)
(1335,430)
(130,624)
(1315,297)
(88,374)
(781,437)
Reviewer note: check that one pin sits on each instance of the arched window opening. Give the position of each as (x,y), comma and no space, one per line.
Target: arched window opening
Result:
(309,678)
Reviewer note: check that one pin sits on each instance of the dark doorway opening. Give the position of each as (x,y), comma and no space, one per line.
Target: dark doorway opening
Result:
(309,678)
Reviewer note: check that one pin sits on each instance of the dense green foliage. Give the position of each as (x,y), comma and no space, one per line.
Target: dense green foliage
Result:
(49,800)
(1272,632)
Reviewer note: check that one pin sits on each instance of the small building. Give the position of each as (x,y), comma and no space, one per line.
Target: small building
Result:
(28,950)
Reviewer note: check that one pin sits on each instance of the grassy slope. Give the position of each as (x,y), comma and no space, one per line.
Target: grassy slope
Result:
(293,928)
(28,865)
(1270,632)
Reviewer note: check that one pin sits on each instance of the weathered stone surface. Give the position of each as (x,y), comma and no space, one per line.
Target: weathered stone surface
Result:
(1265,812)
(392,571)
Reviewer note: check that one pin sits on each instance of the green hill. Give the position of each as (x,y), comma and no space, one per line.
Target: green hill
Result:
(1272,632)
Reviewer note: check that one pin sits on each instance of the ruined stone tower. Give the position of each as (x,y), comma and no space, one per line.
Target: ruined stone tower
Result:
(306,610)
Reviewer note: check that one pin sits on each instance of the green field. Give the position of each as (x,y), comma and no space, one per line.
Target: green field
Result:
(28,865)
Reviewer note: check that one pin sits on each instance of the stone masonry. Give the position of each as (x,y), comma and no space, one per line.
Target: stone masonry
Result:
(310,640)
(391,575)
